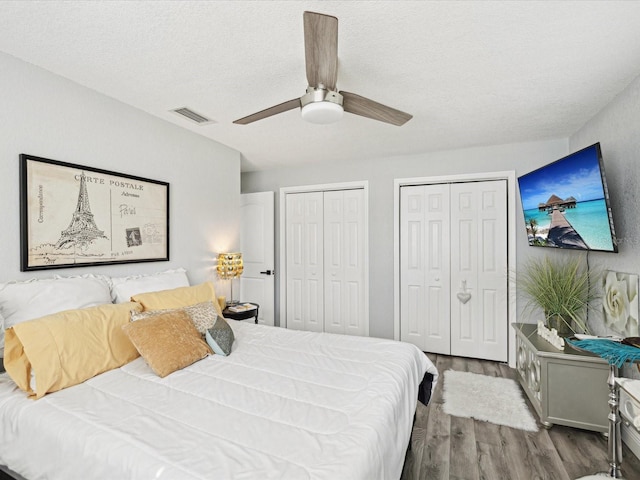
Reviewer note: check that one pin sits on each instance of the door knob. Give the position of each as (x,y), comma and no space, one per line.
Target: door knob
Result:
(268,272)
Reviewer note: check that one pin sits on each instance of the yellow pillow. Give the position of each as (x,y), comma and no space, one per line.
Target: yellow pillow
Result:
(168,341)
(178,297)
(69,347)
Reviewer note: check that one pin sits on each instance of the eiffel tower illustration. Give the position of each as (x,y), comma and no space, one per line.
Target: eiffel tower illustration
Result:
(83,229)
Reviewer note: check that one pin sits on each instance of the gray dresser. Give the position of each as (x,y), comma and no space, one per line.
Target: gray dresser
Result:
(566,387)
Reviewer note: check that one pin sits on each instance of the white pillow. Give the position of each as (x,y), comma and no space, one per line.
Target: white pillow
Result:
(123,288)
(22,301)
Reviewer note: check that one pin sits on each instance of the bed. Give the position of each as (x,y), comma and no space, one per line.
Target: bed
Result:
(284,405)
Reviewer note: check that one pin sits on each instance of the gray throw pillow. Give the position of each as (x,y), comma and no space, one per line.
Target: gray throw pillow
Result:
(220,337)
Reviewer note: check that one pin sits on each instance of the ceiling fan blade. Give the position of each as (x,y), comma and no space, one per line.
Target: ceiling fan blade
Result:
(364,107)
(321,49)
(268,112)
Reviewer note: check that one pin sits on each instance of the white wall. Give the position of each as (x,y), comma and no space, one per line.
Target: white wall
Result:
(48,116)
(380,173)
(617,129)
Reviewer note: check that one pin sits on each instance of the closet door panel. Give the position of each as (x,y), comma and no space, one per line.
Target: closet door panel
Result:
(493,270)
(479,327)
(295,264)
(304,261)
(314,262)
(424,277)
(464,261)
(344,261)
(334,261)
(412,266)
(354,268)
(355,309)
(313,307)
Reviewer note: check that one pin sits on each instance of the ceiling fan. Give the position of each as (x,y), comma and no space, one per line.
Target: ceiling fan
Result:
(323,103)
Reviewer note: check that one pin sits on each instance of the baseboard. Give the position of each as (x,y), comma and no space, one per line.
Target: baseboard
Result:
(631,437)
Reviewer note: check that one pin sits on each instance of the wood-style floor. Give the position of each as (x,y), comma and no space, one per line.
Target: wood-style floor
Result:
(447,447)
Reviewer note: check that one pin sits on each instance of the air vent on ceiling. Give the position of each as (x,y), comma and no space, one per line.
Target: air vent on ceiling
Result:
(193,116)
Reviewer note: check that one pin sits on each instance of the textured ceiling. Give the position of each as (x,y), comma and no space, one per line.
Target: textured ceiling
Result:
(471,73)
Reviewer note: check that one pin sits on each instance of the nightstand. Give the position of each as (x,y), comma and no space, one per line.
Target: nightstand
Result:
(253,313)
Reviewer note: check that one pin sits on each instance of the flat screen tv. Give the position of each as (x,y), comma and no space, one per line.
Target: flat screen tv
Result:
(566,203)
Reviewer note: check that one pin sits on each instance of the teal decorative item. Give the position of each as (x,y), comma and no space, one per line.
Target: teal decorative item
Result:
(613,352)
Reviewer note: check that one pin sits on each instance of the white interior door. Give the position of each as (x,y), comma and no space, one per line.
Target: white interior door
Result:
(344,282)
(304,261)
(257,247)
(479,318)
(424,267)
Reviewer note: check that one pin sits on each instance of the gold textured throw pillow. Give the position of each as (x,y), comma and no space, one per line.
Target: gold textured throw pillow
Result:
(168,342)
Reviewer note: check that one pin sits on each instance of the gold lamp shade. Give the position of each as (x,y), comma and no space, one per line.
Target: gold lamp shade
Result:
(230,265)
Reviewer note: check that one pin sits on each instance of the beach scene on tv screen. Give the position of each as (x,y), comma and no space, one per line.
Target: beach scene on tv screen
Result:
(564,204)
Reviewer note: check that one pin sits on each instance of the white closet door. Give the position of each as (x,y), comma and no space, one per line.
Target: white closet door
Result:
(344,308)
(479,327)
(304,258)
(424,267)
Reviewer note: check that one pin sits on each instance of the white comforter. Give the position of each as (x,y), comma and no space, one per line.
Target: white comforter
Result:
(284,405)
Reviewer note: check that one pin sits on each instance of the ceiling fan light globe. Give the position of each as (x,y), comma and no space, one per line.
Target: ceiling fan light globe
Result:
(322,112)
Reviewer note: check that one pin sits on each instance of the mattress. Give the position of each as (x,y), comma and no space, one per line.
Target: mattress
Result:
(284,405)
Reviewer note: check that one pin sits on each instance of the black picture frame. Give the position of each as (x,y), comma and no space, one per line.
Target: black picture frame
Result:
(78,216)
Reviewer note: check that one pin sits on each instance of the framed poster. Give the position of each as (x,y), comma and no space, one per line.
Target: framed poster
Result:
(76,216)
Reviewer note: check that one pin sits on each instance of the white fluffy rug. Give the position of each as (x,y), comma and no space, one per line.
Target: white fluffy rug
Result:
(491,399)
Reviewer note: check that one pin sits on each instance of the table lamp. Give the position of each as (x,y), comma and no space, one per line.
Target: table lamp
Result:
(230,266)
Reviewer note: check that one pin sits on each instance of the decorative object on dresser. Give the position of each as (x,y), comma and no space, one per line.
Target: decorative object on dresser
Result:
(563,288)
(550,335)
(126,221)
(230,266)
(565,386)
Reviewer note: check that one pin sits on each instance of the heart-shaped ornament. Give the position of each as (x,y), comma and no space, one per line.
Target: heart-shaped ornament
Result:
(464,297)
